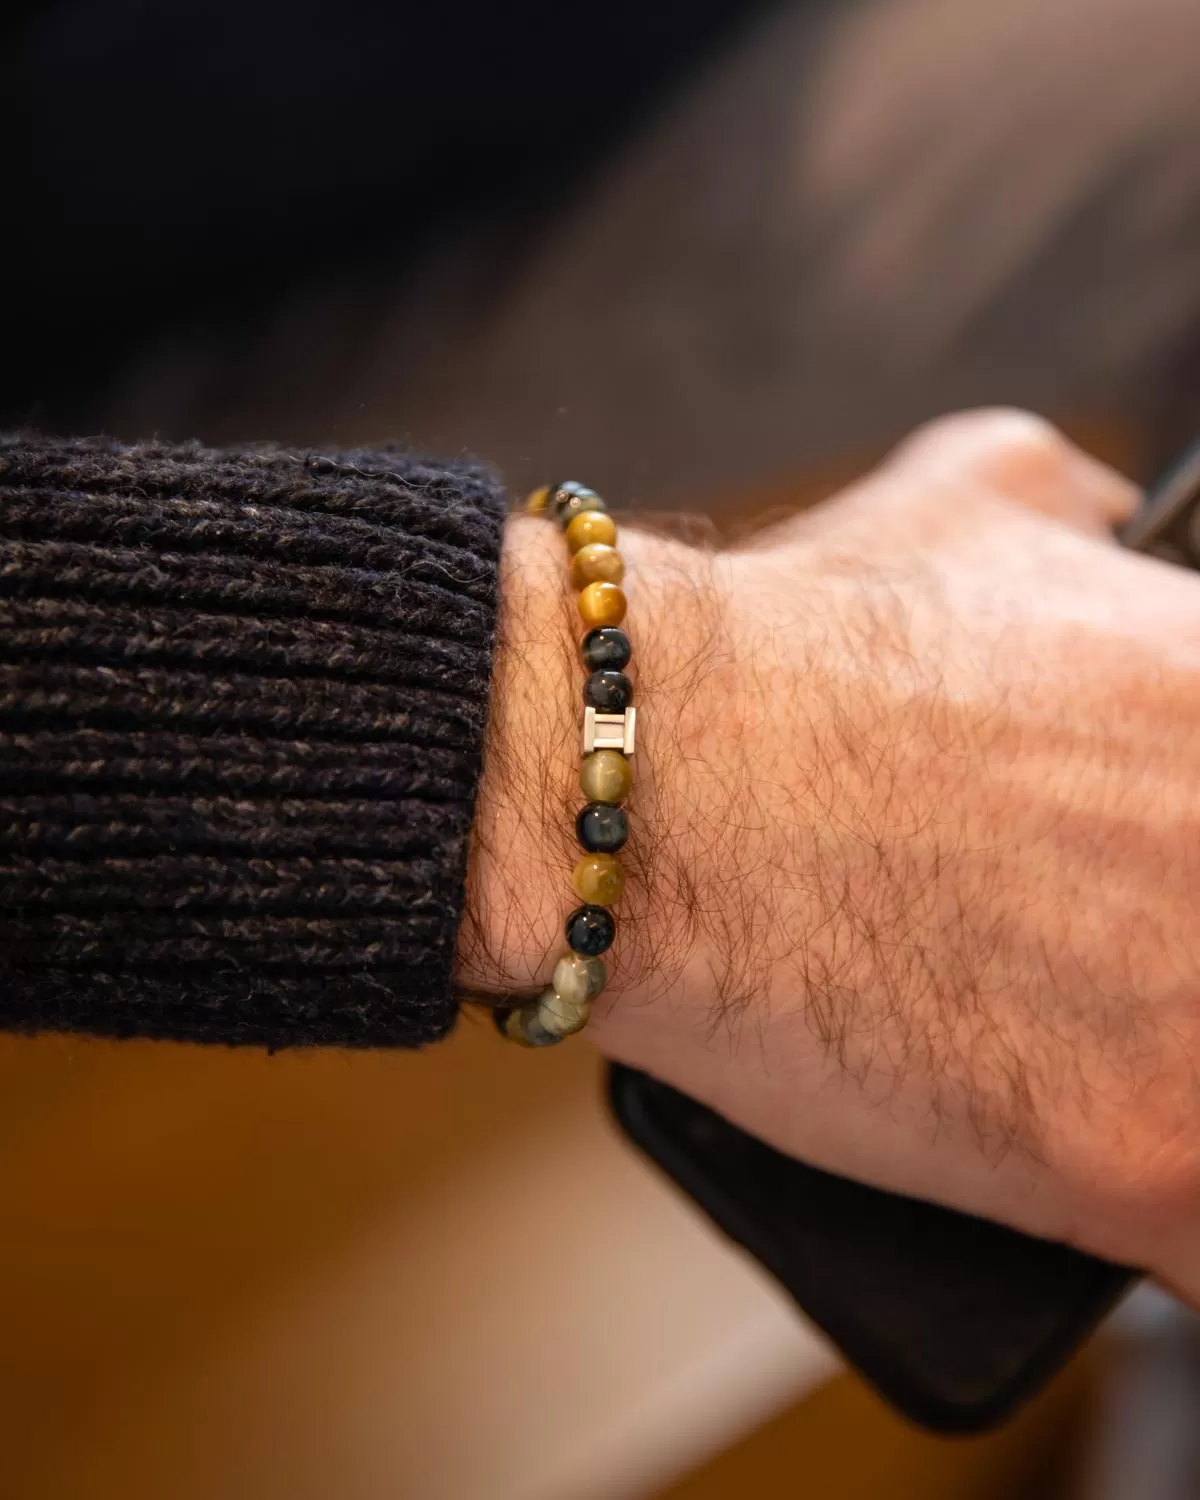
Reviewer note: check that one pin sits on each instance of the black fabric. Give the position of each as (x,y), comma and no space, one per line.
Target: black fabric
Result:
(954,1319)
(242,707)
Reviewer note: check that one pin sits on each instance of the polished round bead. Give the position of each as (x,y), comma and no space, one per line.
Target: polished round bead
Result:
(602,604)
(579,505)
(608,692)
(596,563)
(590,930)
(598,879)
(605,776)
(562,1017)
(538,500)
(602,829)
(571,499)
(591,526)
(566,489)
(606,648)
(578,979)
(523,1026)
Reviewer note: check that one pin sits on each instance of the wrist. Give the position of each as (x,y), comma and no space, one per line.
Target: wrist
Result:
(523,846)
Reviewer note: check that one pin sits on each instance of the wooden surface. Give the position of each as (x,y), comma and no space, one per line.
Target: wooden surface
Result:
(227,1275)
(841,1444)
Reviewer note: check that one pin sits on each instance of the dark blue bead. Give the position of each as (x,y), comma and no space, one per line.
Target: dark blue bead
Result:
(609,692)
(562,495)
(602,829)
(590,930)
(605,647)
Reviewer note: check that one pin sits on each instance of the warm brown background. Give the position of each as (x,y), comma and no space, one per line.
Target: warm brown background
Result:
(228,1275)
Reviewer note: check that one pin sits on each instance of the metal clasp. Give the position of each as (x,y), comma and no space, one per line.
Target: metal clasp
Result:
(608,731)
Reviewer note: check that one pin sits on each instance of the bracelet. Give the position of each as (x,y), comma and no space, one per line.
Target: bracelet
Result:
(605,775)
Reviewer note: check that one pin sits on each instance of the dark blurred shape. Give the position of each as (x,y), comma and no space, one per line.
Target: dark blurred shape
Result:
(692,252)
(954,1320)
(170,159)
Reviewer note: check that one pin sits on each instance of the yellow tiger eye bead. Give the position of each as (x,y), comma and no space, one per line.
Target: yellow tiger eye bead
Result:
(605,776)
(602,604)
(597,563)
(538,500)
(598,879)
(591,526)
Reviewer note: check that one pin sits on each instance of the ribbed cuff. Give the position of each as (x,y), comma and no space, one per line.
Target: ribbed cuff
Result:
(242,707)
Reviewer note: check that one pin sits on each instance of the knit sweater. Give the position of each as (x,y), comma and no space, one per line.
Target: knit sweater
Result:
(242,708)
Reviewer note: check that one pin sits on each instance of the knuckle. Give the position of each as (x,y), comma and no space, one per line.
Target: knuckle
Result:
(1001,445)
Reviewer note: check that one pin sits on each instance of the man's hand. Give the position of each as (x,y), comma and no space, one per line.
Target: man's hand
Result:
(914,836)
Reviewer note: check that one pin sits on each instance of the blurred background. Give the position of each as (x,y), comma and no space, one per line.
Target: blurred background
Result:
(714,255)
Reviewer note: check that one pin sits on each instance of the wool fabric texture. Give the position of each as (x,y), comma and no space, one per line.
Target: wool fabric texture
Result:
(242,708)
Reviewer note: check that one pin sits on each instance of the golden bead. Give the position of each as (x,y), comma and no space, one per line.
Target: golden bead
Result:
(597,563)
(538,500)
(602,604)
(591,526)
(598,879)
(605,776)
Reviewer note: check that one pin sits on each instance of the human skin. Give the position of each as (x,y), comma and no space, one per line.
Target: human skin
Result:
(915,835)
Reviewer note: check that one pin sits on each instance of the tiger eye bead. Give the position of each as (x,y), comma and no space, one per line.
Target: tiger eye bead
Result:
(523,1026)
(602,829)
(602,604)
(577,979)
(565,490)
(605,776)
(562,1017)
(606,649)
(570,499)
(598,879)
(590,930)
(591,526)
(608,692)
(596,563)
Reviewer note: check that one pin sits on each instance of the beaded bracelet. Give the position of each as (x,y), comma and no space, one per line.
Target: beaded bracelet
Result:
(605,775)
